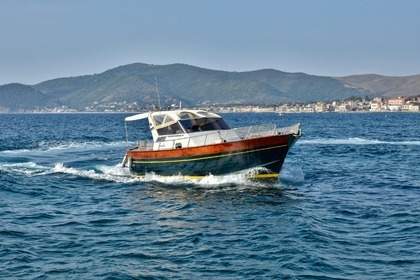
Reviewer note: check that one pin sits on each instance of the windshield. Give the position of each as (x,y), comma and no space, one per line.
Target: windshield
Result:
(170,129)
(204,124)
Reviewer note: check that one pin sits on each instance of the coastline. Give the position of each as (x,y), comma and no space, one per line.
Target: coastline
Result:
(209,109)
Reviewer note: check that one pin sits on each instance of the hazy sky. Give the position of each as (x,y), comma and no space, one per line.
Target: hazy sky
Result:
(47,39)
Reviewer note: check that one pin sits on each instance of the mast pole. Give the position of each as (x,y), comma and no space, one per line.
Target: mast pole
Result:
(157,92)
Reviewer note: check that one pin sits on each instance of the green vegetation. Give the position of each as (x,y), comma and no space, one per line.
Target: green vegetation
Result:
(18,97)
(135,83)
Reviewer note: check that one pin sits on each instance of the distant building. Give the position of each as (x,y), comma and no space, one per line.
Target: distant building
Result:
(343,108)
(309,109)
(284,108)
(396,104)
(351,105)
(375,106)
(320,107)
(414,107)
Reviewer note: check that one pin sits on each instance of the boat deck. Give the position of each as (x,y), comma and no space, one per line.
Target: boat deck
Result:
(215,137)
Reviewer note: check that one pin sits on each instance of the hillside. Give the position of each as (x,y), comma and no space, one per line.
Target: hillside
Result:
(386,86)
(195,86)
(18,97)
(301,87)
(136,82)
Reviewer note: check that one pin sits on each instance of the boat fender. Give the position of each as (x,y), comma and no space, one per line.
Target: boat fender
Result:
(130,162)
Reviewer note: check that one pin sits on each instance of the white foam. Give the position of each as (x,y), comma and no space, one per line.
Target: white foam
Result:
(112,170)
(45,147)
(109,173)
(112,173)
(241,178)
(25,168)
(115,173)
(355,141)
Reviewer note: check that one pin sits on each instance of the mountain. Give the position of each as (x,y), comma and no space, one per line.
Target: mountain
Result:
(195,86)
(386,86)
(18,97)
(301,87)
(177,82)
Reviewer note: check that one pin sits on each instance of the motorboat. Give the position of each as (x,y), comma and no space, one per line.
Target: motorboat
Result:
(198,143)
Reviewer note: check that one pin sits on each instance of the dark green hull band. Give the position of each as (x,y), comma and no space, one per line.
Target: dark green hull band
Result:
(271,158)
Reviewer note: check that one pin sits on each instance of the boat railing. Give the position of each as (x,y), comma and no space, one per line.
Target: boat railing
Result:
(192,140)
(145,145)
(294,129)
(254,131)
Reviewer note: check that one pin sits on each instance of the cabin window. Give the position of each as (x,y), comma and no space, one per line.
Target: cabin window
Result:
(171,129)
(158,119)
(212,124)
(204,124)
(187,115)
(168,119)
(187,125)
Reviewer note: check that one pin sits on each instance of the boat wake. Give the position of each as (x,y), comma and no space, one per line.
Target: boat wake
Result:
(355,141)
(115,173)
(239,178)
(43,147)
(101,172)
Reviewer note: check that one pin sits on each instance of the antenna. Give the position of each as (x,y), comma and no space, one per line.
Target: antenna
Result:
(157,92)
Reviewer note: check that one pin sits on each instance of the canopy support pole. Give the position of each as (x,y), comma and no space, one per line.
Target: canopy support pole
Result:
(126,132)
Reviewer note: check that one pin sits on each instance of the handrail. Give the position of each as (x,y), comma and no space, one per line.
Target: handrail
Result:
(247,132)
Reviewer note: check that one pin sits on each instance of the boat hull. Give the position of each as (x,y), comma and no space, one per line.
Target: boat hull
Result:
(218,159)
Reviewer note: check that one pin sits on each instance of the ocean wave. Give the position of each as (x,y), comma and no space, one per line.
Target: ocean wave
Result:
(242,179)
(355,141)
(292,173)
(108,173)
(115,173)
(25,168)
(54,146)
(118,174)
(209,180)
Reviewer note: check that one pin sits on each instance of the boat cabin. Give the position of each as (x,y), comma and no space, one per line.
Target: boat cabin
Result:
(185,128)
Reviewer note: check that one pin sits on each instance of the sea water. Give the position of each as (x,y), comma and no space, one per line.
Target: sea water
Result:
(347,205)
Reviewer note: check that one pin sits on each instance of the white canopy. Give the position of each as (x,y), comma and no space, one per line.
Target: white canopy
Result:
(137,117)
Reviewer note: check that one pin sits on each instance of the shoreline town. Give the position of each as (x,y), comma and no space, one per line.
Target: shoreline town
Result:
(379,104)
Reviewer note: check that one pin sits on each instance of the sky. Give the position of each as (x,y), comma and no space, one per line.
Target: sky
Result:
(47,39)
